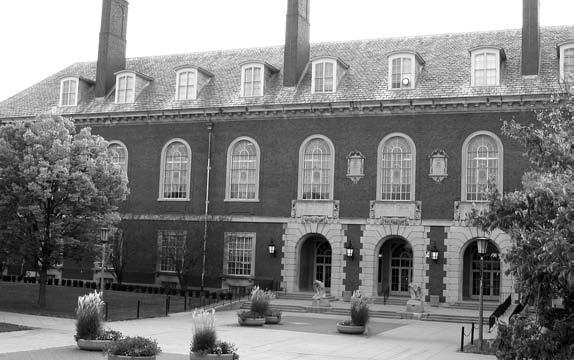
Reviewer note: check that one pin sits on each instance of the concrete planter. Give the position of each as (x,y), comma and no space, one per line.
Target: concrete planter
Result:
(193,356)
(121,357)
(272,319)
(93,345)
(345,328)
(251,321)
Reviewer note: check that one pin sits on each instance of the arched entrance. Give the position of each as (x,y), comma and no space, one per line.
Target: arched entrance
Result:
(491,273)
(315,262)
(395,267)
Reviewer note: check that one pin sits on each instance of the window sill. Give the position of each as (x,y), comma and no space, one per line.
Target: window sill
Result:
(176,200)
(241,200)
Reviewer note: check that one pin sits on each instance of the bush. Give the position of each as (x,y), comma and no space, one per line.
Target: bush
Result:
(89,316)
(359,309)
(135,346)
(109,334)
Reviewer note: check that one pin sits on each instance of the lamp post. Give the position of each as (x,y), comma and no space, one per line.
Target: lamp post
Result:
(481,244)
(104,232)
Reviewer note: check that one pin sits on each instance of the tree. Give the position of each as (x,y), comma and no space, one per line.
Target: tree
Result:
(540,220)
(118,254)
(57,186)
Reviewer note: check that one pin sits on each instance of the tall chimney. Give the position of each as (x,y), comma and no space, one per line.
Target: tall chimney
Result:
(296,53)
(112,49)
(530,37)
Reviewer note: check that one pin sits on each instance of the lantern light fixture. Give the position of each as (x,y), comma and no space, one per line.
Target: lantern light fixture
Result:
(271,248)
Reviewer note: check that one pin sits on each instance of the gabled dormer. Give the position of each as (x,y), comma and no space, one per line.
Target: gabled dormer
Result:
(485,65)
(255,76)
(129,85)
(73,89)
(189,80)
(326,74)
(566,58)
(404,68)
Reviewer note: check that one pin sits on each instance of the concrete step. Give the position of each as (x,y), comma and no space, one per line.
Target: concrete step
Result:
(489,306)
(391,300)
(461,319)
(302,296)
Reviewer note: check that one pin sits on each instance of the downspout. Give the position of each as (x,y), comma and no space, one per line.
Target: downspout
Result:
(204,248)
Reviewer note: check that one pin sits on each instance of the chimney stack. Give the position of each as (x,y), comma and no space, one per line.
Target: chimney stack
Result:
(296,52)
(530,37)
(112,48)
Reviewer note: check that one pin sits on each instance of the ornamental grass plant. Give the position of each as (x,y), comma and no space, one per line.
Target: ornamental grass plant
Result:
(260,301)
(204,339)
(89,316)
(359,309)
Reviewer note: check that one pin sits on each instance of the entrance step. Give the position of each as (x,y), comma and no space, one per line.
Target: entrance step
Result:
(391,300)
(303,295)
(489,306)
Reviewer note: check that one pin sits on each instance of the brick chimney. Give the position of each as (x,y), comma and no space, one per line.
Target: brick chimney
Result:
(530,37)
(296,41)
(112,49)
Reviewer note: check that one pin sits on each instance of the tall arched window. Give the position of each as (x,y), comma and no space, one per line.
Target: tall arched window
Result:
(242,170)
(175,171)
(316,164)
(482,165)
(396,164)
(119,154)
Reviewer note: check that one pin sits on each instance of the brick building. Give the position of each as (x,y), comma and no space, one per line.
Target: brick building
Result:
(380,146)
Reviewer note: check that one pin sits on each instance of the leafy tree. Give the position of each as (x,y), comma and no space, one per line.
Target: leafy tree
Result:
(540,220)
(119,253)
(57,186)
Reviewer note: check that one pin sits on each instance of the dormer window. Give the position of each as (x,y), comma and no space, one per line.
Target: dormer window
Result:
(485,66)
(252,80)
(186,87)
(125,88)
(404,67)
(69,92)
(327,74)
(566,54)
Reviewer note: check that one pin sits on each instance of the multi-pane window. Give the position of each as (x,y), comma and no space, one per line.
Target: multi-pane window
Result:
(125,88)
(569,64)
(186,84)
(243,170)
(482,166)
(119,155)
(324,76)
(317,171)
(171,246)
(69,92)
(238,259)
(396,169)
(485,67)
(175,176)
(252,77)
(401,69)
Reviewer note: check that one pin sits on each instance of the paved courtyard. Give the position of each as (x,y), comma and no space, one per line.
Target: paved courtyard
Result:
(301,336)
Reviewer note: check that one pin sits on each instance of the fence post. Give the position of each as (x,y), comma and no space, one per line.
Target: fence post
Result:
(185,302)
(167,305)
(138,311)
(462,340)
(106,316)
(472,334)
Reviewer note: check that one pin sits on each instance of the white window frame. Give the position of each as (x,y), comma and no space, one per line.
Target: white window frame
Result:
(130,92)
(563,47)
(484,51)
(413,74)
(75,91)
(160,254)
(226,253)
(244,68)
(380,166)
(230,168)
(324,61)
(190,95)
(302,166)
(121,144)
(162,171)
(464,170)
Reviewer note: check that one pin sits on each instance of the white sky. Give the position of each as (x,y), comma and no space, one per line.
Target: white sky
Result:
(41,37)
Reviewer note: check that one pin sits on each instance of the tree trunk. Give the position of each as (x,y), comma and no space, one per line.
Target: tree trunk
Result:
(42,287)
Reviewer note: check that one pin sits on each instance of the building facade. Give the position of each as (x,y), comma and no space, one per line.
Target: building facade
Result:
(380,146)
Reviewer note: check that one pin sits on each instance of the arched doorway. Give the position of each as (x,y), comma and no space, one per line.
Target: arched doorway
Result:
(491,273)
(395,267)
(315,261)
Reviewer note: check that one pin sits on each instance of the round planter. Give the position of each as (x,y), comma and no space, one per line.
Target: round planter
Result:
(272,319)
(350,329)
(93,345)
(193,356)
(121,357)
(251,321)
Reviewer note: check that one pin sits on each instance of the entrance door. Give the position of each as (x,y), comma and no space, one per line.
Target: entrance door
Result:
(491,279)
(323,263)
(401,269)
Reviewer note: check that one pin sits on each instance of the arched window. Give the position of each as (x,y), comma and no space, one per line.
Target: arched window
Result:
(242,170)
(119,154)
(316,165)
(175,171)
(482,165)
(396,164)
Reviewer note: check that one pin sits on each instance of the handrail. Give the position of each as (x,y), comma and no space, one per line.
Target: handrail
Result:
(500,309)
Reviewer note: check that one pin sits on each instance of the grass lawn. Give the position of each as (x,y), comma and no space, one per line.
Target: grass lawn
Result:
(61,301)
(4,327)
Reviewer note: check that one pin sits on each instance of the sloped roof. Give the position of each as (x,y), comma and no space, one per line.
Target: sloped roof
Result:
(446,73)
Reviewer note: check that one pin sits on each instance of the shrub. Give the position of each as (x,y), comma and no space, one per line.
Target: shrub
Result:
(359,308)
(89,316)
(135,346)
(109,334)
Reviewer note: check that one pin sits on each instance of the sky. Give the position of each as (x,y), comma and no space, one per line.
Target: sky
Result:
(40,37)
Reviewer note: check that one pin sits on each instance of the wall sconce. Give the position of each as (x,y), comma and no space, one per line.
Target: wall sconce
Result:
(271,248)
(349,250)
(433,254)
(482,245)
(355,166)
